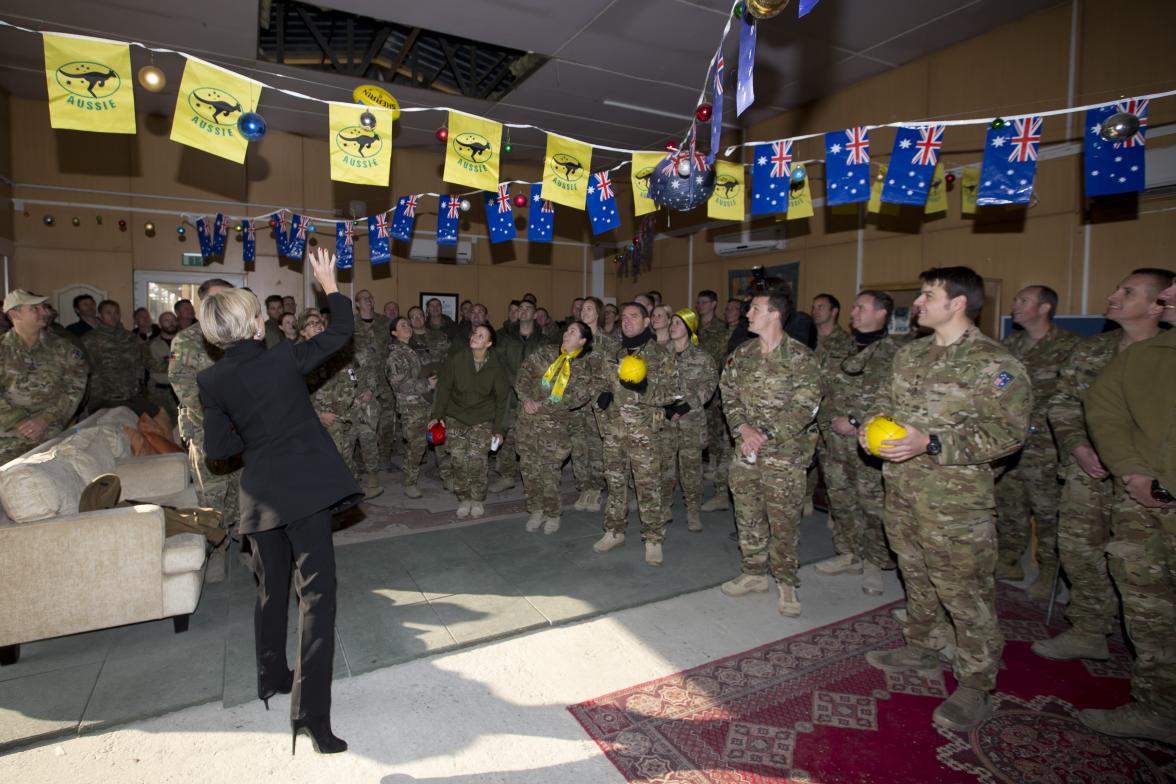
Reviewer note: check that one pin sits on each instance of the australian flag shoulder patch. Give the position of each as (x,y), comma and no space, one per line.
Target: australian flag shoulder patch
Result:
(1003,379)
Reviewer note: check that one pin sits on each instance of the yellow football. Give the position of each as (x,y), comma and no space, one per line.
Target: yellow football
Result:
(632,369)
(881,429)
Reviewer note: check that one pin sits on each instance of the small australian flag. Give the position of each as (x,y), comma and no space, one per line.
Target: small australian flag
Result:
(203,235)
(499,216)
(296,240)
(716,130)
(1010,162)
(344,245)
(912,164)
(404,217)
(448,212)
(771,171)
(248,241)
(745,89)
(847,166)
(1115,167)
(280,231)
(541,221)
(602,203)
(378,239)
(220,234)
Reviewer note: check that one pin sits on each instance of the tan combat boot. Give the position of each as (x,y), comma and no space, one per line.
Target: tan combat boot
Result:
(535,521)
(1073,644)
(846,563)
(745,584)
(871,580)
(592,502)
(717,504)
(1043,583)
(412,491)
(580,500)
(908,657)
(788,604)
(964,709)
(1132,720)
(371,486)
(693,522)
(551,525)
(607,542)
(653,553)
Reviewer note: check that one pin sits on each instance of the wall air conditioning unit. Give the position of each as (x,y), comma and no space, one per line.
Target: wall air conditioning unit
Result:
(750,241)
(1160,171)
(424,249)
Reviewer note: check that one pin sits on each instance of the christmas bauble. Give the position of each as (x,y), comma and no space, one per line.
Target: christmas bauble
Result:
(765,9)
(1119,126)
(252,126)
(520,200)
(681,181)
(632,369)
(703,112)
(152,78)
(881,429)
(367,120)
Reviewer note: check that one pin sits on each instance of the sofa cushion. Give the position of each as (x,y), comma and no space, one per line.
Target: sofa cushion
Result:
(89,454)
(183,553)
(39,486)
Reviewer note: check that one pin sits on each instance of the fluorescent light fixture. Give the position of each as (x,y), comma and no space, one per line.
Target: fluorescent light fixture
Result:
(659,112)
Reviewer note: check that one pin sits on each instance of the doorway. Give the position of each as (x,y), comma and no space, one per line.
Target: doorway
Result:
(160,291)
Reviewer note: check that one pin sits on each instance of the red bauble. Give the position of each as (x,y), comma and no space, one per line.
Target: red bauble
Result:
(703,112)
(122,225)
(949,179)
(442,134)
(671,147)
(520,200)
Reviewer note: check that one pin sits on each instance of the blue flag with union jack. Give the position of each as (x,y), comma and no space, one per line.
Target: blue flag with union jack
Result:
(745,74)
(404,217)
(220,234)
(281,230)
(204,235)
(771,171)
(448,213)
(806,6)
(499,216)
(344,245)
(716,129)
(1115,167)
(602,203)
(1010,162)
(847,166)
(379,239)
(912,164)
(300,225)
(541,221)
(248,241)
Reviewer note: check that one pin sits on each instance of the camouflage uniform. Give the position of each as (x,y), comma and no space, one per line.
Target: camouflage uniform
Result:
(432,347)
(712,338)
(543,436)
(778,394)
(403,372)
(369,350)
(631,427)
(333,388)
(159,390)
(1030,485)
(371,340)
(976,398)
(587,441)
(47,380)
(218,482)
(1084,520)
(836,454)
(117,368)
(515,349)
(682,442)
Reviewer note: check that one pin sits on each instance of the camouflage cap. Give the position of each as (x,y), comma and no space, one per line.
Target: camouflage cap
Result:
(18,297)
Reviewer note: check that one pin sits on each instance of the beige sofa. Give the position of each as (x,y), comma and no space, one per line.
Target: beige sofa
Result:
(64,572)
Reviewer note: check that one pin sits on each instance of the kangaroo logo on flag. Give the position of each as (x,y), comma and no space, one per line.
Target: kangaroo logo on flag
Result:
(644,165)
(216,105)
(210,102)
(87,91)
(726,202)
(565,171)
(359,155)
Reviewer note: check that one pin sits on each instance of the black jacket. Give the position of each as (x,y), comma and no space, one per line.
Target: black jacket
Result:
(256,402)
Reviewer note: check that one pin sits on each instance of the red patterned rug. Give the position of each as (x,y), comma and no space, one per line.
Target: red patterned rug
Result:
(810,709)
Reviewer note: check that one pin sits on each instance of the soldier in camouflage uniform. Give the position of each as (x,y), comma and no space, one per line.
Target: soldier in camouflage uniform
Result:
(632,422)
(334,388)
(370,351)
(217,482)
(771,393)
(1084,520)
(587,443)
(42,377)
(158,356)
(684,436)
(1131,413)
(117,365)
(404,375)
(712,338)
(552,384)
(854,387)
(965,402)
(1030,485)
(518,342)
(432,347)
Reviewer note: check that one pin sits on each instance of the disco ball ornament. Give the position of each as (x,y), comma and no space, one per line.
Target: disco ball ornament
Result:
(152,78)
(765,9)
(252,126)
(703,112)
(1119,127)
(520,200)
(798,175)
(465,205)
(681,182)
(367,120)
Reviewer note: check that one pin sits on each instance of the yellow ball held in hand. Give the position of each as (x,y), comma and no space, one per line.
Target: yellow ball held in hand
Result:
(881,429)
(632,369)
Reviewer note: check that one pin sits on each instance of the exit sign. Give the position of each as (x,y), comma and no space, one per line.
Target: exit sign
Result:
(192,260)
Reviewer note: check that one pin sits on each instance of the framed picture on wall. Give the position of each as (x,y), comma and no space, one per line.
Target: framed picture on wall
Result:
(448,302)
(739,280)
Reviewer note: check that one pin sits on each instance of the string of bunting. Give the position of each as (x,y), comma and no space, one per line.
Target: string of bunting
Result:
(90,89)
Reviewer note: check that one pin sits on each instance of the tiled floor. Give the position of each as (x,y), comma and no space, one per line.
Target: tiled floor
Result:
(400,597)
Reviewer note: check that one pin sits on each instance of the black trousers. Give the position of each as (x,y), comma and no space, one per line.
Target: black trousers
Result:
(304,548)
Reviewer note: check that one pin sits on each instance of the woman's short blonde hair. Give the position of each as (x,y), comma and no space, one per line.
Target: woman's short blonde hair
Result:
(229,316)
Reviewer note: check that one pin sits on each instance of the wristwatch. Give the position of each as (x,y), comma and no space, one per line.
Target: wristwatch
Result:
(854,421)
(933,445)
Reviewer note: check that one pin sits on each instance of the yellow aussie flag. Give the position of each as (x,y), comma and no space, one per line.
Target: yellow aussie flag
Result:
(937,193)
(800,200)
(360,155)
(642,169)
(91,86)
(565,171)
(473,151)
(968,185)
(726,203)
(210,103)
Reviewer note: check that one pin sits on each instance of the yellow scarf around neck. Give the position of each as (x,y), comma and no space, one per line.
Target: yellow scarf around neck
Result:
(561,371)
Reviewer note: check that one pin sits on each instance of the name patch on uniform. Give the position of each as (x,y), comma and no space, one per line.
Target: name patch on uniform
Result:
(1003,379)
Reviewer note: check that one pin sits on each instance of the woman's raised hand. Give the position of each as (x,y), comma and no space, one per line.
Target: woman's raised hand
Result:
(322,264)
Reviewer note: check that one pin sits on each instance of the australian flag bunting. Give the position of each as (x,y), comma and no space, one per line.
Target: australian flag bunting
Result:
(916,151)
(499,216)
(806,6)
(448,212)
(847,166)
(541,221)
(281,226)
(770,174)
(716,129)
(344,245)
(204,235)
(745,90)
(1010,162)
(248,241)
(404,217)
(1115,167)
(602,203)
(220,234)
(379,239)
(296,240)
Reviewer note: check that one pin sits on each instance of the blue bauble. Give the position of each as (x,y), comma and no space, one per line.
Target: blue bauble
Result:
(798,175)
(252,126)
(681,183)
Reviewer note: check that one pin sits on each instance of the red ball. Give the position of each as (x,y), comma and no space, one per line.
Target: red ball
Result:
(520,200)
(122,225)
(949,179)
(671,147)
(442,134)
(703,112)
(435,435)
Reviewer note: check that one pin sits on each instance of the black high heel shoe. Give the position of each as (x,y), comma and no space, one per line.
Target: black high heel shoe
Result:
(321,737)
(285,688)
